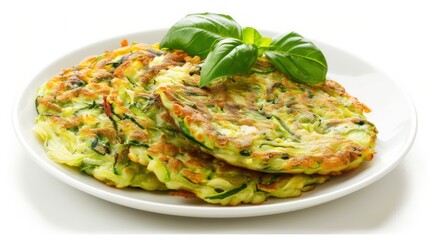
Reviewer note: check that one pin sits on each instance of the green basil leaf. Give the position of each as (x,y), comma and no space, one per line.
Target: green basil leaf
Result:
(227,57)
(196,33)
(298,58)
(252,36)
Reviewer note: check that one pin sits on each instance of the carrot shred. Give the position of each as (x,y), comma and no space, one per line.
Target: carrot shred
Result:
(182,193)
(124,43)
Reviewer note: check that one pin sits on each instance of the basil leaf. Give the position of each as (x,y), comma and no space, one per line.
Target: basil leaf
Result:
(252,36)
(196,33)
(298,58)
(227,57)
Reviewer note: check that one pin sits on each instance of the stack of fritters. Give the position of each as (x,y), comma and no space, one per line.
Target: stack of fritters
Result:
(136,117)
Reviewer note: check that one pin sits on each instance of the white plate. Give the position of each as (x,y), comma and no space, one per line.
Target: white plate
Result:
(393,114)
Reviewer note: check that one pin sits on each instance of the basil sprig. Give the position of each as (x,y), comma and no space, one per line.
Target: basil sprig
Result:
(228,49)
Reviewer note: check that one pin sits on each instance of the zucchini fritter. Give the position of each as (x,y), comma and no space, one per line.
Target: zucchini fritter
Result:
(266,122)
(76,129)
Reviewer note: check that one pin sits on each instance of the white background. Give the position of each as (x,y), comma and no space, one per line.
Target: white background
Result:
(392,35)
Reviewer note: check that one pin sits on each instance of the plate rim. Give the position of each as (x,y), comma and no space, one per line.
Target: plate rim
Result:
(206,211)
